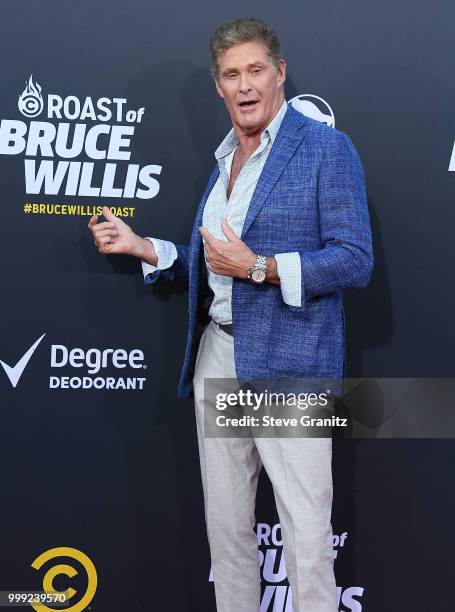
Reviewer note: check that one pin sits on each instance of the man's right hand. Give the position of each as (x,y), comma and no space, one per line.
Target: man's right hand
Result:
(115,236)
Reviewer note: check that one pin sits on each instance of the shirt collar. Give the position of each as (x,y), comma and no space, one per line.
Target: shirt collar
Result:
(231,141)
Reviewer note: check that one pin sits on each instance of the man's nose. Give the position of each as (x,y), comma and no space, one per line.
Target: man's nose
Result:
(244,84)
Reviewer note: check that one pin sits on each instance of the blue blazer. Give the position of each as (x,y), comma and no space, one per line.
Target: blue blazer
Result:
(309,198)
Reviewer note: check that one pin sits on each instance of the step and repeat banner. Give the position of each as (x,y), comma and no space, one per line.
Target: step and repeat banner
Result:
(111,103)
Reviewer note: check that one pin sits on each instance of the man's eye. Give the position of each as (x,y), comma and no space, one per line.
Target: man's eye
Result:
(256,71)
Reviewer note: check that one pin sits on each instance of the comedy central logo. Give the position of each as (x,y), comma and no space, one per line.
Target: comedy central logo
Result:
(30,100)
(314,107)
(90,582)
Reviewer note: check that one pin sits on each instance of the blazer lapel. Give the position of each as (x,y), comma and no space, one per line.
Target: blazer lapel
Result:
(198,220)
(287,140)
(196,239)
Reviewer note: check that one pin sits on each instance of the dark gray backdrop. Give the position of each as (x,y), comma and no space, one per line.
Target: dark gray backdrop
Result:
(115,473)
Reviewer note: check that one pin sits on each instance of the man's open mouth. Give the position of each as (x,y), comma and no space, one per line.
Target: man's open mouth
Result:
(248,103)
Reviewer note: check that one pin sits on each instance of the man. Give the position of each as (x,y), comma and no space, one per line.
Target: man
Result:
(281,229)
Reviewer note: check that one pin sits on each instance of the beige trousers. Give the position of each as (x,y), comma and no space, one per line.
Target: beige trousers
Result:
(300,472)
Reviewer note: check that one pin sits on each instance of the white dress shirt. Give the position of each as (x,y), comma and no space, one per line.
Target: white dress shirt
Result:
(235,209)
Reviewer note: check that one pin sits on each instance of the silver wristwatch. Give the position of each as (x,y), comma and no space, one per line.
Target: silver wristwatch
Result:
(257,273)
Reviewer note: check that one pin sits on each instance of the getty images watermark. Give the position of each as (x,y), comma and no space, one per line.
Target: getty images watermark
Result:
(326,408)
(276,411)
(272,408)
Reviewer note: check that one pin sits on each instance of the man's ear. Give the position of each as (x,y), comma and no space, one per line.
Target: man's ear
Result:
(282,71)
(218,88)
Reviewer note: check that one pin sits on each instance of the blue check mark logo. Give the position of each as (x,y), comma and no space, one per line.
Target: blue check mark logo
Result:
(14,373)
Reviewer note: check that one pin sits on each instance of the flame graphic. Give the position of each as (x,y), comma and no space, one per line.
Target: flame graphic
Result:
(30,101)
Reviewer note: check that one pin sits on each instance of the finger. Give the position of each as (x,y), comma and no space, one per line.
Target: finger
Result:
(105,248)
(111,233)
(212,244)
(228,231)
(103,241)
(107,214)
(103,226)
(207,250)
(206,235)
(93,221)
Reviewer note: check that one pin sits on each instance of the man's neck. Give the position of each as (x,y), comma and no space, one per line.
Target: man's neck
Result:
(248,143)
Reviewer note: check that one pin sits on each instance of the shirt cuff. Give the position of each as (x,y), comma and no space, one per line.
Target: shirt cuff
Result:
(166,253)
(289,270)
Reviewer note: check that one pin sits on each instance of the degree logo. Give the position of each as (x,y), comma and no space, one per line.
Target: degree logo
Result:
(15,372)
(86,369)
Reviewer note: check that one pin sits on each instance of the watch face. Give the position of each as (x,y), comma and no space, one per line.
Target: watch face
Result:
(258,276)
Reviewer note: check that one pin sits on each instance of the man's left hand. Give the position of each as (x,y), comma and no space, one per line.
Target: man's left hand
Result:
(231,258)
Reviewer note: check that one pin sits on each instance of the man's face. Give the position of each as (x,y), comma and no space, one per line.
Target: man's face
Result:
(250,85)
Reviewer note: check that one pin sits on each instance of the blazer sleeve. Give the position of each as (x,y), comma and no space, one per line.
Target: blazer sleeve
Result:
(346,258)
(177,272)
